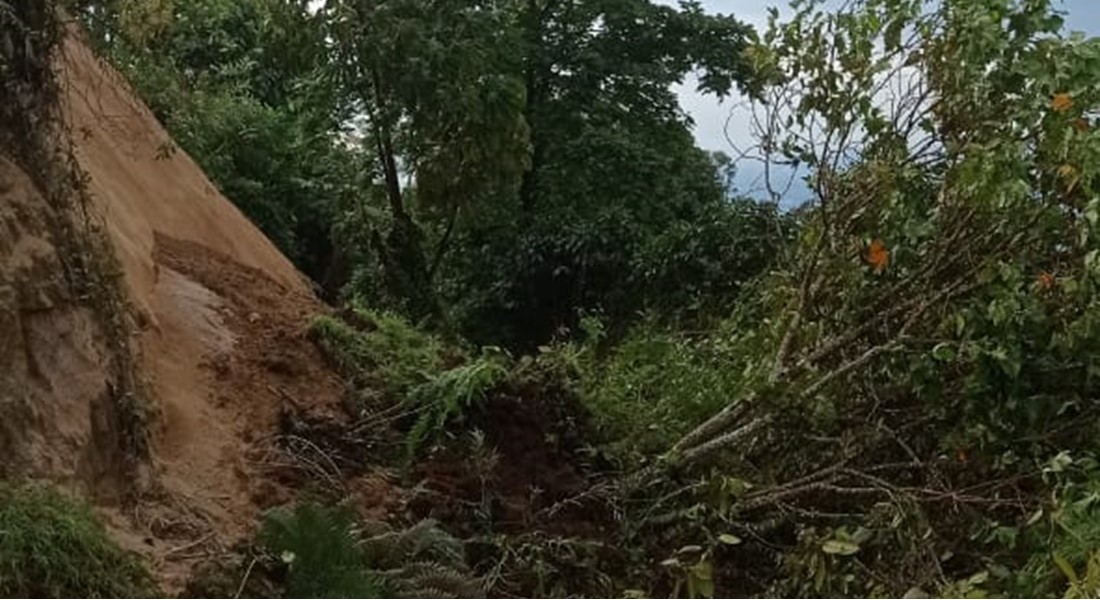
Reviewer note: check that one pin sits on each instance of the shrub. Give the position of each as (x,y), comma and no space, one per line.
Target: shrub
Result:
(52,546)
(656,385)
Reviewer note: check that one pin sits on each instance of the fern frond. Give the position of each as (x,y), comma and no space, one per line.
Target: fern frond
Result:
(428,579)
(318,545)
(424,540)
(453,393)
(434,576)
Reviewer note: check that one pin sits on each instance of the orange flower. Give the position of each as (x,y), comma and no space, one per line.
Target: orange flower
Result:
(1046,281)
(877,255)
(1061,102)
(962,455)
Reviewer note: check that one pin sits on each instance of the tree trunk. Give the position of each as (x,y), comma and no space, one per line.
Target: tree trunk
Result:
(402,252)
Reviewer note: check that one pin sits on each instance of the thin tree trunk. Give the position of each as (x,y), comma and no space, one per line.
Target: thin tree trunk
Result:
(529,186)
(444,243)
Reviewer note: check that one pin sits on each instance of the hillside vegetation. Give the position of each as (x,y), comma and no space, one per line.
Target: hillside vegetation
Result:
(578,362)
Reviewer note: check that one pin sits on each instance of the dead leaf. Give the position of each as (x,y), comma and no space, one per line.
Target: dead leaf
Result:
(1061,102)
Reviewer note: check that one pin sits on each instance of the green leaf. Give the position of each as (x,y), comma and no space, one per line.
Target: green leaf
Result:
(729,539)
(1060,463)
(944,352)
(1066,569)
(736,487)
(978,578)
(701,580)
(840,547)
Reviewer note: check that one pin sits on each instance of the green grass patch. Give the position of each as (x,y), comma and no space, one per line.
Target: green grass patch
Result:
(52,546)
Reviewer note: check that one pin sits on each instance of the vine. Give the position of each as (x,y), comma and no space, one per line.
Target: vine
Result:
(35,135)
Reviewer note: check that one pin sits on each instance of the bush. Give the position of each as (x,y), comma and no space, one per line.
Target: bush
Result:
(654,386)
(52,546)
(389,360)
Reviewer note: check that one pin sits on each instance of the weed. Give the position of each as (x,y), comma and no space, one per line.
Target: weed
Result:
(655,386)
(320,550)
(541,565)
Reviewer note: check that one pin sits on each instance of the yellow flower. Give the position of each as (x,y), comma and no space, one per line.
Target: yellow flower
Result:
(1061,102)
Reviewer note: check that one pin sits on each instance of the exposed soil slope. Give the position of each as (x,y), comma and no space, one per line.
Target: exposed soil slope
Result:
(221,318)
(56,409)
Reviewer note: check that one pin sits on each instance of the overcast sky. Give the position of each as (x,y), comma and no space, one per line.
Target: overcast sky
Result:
(710,116)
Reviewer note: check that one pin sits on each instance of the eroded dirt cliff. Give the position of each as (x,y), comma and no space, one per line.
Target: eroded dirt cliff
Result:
(215,321)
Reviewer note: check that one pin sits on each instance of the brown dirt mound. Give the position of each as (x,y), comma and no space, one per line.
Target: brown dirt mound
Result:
(234,357)
(531,480)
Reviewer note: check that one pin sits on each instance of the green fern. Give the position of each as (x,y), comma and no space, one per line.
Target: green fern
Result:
(383,351)
(432,580)
(387,548)
(319,546)
(453,393)
(328,554)
(423,561)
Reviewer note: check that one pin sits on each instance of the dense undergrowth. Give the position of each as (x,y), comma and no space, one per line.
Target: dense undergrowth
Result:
(603,376)
(905,400)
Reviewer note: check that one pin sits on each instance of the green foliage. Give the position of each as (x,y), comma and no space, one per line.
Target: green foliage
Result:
(244,88)
(907,393)
(328,554)
(619,257)
(522,160)
(449,396)
(380,352)
(390,362)
(654,386)
(613,168)
(52,546)
(320,548)
(546,566)
(421,561)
